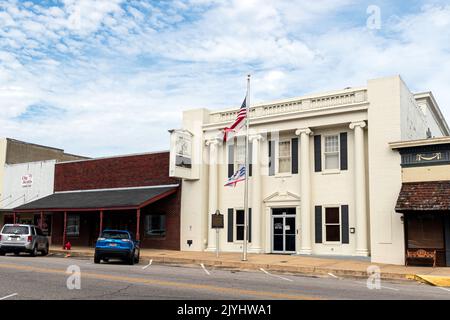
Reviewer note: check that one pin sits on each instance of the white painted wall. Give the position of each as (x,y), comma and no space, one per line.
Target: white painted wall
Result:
(43,173)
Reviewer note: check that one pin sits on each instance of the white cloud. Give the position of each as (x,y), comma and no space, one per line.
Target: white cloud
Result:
(122,71)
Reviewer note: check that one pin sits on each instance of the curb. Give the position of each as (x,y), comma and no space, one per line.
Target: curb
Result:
(437,281)
(301,270)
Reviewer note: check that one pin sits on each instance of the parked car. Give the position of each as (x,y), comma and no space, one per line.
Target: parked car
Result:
(117,244)
(17,238)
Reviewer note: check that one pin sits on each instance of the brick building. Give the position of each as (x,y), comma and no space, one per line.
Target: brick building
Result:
(131,192)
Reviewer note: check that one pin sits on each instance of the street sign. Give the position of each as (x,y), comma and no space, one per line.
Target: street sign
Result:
(217,221)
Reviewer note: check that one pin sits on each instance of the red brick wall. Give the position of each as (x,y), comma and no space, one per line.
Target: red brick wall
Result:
(120,172)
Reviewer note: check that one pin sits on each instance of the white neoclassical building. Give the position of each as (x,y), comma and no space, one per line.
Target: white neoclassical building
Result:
(323,178)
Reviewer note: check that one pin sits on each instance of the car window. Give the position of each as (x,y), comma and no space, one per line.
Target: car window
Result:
(115,235)
(33,231)
(39,232)
(15,230)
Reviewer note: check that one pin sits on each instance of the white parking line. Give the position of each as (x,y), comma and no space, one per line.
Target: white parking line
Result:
(332,275)
(445,289)
(149,264)
(382,287)
(9,296)
(274,275)
(207,272)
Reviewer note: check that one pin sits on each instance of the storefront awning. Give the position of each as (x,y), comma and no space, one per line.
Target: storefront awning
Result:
(107,199)
(424,196)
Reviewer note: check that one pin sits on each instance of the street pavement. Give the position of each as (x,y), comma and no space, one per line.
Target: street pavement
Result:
(24,277)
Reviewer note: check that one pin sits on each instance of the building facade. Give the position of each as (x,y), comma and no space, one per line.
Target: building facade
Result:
(424,200)
(131,193)
(323,179)
(34,179)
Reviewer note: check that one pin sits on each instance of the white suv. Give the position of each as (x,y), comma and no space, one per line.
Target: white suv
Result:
(19,238)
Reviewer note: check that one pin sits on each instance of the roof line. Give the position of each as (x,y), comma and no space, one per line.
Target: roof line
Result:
(113,157)
(118,189)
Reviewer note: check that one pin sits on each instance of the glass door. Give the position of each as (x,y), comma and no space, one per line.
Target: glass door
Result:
(283,230)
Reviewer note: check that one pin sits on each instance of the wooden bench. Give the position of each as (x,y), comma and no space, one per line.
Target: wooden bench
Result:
(423,254)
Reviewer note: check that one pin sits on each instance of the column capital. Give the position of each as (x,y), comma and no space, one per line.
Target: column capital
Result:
(306,131)
(257,137)
(361,124)
(213,141)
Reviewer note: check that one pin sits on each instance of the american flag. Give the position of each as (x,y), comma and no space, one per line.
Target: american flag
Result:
(236,177)
(238,123)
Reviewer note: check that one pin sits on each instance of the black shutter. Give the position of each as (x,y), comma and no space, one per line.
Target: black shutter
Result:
(317,153)
(271,158)
(343,151)
(249,224)
(230,160)
(294,159)
(250,158)
(344,224)
(318,224)
(230,224)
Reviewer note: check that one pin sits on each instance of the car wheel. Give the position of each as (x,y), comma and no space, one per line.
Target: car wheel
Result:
(96,258)
(136,256)
(45,251)
(106,259)
(131,259)
(17,253)
(34,252)
(2,253)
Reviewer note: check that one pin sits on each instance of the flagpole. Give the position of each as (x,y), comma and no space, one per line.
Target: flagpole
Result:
(247,106)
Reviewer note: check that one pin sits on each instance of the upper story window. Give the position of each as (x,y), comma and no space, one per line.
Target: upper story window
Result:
(331,152)
(284,156)
(239,159)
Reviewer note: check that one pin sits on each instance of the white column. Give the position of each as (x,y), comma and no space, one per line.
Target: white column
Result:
(305,192)
(360,189)
(256,194)
(213,204)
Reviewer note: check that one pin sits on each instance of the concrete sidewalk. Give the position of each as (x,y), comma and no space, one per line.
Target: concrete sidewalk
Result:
(307,265)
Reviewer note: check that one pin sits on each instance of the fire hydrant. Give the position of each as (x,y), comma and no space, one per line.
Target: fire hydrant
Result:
(67,246)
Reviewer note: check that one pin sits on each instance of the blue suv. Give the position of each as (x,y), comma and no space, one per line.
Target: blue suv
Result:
(117,244)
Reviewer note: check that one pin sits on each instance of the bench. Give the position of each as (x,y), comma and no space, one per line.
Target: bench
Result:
(423,254)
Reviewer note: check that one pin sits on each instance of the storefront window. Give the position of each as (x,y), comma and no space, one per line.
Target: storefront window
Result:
(425,231)
(73,225)
(155,224)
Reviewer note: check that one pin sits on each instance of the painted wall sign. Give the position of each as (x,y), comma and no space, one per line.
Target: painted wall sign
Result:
(27,180)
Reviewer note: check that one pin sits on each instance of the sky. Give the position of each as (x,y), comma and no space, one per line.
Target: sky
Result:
(109,77)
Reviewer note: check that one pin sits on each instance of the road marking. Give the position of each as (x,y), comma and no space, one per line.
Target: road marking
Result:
(9,296)
(332,275)
(445,289)
(381,287)
(149,264)
(207,272)
(274,275)
(154,282)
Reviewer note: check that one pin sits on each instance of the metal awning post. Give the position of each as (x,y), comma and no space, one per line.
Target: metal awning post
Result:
(101,221)
(138,220)
(65,229)
(41,221)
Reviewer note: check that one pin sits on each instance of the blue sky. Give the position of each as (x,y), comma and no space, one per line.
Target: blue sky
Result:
(104,77)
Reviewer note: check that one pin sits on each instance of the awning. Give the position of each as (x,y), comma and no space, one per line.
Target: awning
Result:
(424,196)
(106,199)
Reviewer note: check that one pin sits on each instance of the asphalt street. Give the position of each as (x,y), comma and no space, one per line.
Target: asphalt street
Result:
(24,277)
